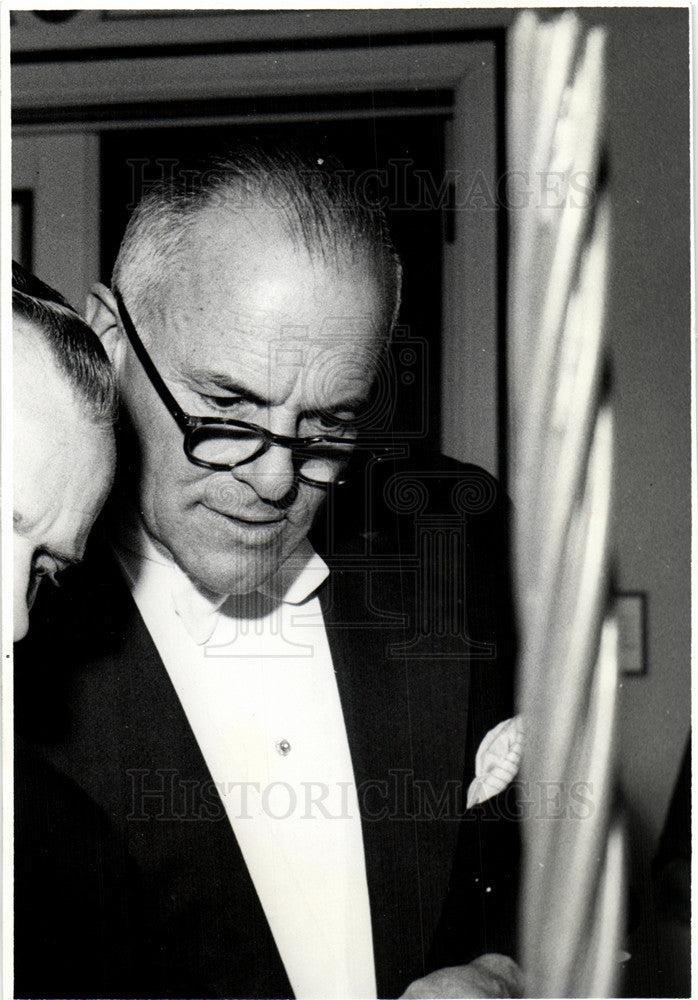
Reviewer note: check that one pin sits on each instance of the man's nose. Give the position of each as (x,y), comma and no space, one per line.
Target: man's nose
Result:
(22,576)
(271,474)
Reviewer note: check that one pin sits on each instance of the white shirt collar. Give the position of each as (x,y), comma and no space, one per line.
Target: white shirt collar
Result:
(295,581)
(298,578)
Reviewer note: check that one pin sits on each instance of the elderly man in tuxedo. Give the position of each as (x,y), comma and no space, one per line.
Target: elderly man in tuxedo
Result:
(275,671)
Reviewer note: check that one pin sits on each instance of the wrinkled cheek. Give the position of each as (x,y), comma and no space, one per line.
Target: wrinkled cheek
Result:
(223,493)
(305,508)
(167,477)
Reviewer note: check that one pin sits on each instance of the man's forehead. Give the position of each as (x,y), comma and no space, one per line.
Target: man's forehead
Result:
(259,354)
(267,330)
(221,253)
(42,392)
(290,298)
(262,354)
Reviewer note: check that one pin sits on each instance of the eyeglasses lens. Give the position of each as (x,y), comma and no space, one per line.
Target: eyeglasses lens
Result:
(227,447)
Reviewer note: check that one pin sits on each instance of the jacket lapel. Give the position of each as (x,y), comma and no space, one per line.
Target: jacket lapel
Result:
(403,765)
(119,732)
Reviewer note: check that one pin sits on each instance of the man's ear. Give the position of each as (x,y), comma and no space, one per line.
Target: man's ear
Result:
(102,313)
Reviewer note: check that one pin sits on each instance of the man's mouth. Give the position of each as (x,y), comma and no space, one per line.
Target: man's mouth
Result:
(252,520)
(250,528)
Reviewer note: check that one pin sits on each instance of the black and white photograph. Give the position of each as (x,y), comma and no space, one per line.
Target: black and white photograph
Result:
(347,396)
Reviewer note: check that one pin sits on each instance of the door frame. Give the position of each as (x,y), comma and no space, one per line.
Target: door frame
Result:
(61,107)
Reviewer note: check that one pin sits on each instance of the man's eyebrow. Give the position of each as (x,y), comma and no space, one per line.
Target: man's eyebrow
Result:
(205,379)
(351,403)
(208,379)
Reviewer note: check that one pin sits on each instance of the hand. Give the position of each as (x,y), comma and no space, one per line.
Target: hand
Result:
(490,975)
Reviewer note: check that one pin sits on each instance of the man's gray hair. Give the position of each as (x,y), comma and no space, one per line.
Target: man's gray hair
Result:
(74,346)
(320,208)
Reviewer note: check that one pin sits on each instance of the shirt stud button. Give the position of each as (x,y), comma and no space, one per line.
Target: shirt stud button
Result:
(283,747)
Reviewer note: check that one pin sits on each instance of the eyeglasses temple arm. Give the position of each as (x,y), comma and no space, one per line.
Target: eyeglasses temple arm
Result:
(149,368)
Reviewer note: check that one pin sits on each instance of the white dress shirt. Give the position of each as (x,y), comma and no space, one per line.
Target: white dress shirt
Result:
(255,678)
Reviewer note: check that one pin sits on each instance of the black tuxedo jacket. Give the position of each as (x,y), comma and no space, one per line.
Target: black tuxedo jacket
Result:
(418,621)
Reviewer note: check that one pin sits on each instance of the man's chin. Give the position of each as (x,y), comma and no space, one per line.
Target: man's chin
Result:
(225,555)
(224,583)
(232,574)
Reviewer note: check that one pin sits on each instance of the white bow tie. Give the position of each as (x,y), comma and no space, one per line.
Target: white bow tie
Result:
(199,611)
(293,583)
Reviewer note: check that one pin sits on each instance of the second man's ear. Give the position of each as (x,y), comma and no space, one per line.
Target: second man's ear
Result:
(102,313)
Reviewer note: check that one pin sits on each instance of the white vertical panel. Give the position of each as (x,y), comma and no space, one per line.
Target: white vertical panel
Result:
(561,472)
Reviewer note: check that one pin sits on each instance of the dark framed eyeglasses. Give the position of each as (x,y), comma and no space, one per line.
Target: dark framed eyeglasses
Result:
(223,444)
